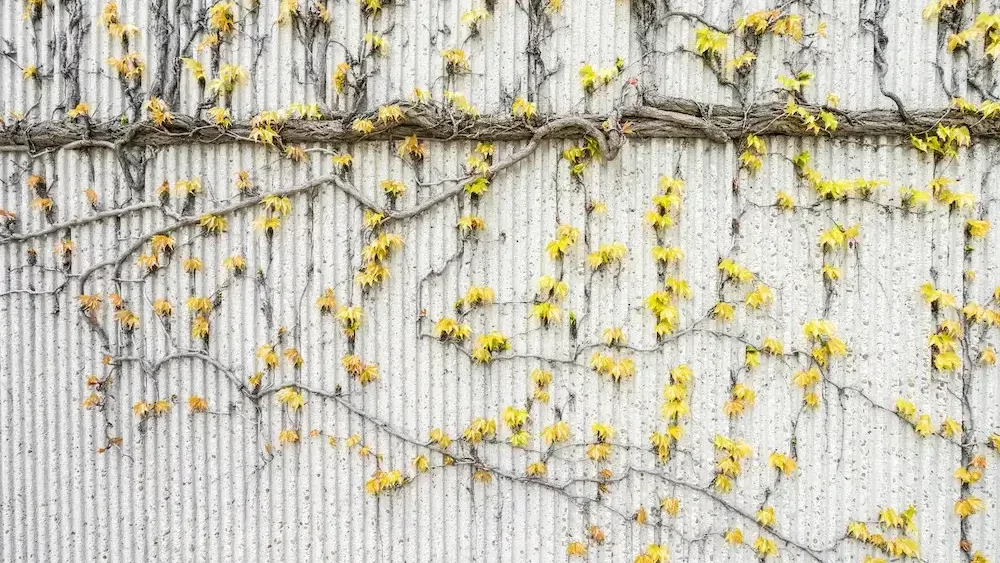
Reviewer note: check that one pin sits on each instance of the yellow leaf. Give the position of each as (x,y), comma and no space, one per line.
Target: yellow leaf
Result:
(765,516)
(576,549)
(734,536)
(977,228)
(968,506)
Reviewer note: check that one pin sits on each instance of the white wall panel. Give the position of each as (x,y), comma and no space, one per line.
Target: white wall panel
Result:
(217,486)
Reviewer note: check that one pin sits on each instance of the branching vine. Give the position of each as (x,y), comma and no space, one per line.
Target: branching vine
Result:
(530,442)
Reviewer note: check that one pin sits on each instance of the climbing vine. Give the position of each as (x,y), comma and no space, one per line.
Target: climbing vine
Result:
(173,281)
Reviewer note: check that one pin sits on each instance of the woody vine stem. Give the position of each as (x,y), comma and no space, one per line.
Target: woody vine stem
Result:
(189,41)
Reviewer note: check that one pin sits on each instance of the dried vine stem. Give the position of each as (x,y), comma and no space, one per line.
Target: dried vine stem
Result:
(107,214)
(561,488)
(659,117)
(874,26)
(119,262)
(609,145)
(152,368)
(550,129)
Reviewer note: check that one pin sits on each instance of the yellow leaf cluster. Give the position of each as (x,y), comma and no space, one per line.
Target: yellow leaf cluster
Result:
(158,111)
(350,320)
(728,465)
(213,224)
(412,148)
(222,19)
(550,288)
(760,297)
(741,398)
(480,429)
(289,397)
(236,263)
(461,103)
(373,270)
(967,506)
(667,255)
(580,156)
(821,334)
(378,44)
(654,553)
(615,369)
(782,462)
(111,20)
(733,536)
(608,253)
(475,296)
(838,237)
(197,404)
(785,202)
(288,436)
(815,124)
(522,108)
(384,481)
(666,204)
(576,549)
(230,76)
(541,379)
(327,302)
(987,26)
(89,303)
(592,79)
(129,66)
(772,21)
(450,329)
(473,17)
(128,320)
(944,345)
(566,236)
(944,141)
(765,547)
(935,8)
(556,433)
(360,371)
(548,313)
(752,156)
(614,336)
(267,354)
(487,345)
(833,189)
(664,309)
(710,42)
(455,61)
(734,272)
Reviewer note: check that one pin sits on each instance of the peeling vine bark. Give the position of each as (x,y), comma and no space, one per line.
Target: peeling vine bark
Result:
(70,44)
(661,118)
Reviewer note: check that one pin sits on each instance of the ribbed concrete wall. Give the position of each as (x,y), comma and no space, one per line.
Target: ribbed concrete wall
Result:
(217,486)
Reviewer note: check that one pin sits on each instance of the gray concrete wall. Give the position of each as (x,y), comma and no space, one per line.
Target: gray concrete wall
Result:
(220,486)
